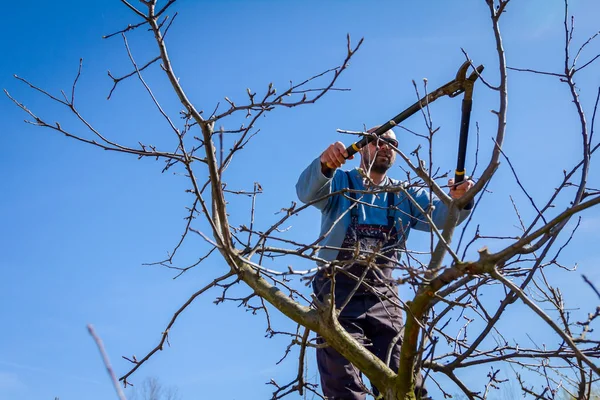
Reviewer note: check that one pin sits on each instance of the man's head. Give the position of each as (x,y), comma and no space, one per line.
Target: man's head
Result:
(378,156)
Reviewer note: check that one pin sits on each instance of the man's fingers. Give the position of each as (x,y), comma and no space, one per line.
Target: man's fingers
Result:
(459,189)
(332,162)
(335,155)
(339,157)
(463,185)
(340,151)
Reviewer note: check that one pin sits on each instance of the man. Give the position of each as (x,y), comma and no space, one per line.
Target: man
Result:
(362,231)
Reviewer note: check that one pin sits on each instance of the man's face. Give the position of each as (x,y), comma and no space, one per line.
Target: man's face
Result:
(378,156)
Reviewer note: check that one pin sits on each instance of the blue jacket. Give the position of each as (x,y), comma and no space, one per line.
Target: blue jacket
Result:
(372,209)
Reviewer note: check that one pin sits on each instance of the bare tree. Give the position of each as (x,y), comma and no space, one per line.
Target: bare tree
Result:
(593,395)
(152,389)
(448,280)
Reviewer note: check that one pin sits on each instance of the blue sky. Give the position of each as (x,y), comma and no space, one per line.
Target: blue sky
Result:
(77,223)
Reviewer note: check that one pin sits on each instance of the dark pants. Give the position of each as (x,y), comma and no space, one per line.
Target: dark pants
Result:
(372,321)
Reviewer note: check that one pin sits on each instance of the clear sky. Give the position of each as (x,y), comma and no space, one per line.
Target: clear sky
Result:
(77,223)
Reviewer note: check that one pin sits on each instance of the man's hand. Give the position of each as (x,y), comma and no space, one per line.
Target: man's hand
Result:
(334,156)
(458,191)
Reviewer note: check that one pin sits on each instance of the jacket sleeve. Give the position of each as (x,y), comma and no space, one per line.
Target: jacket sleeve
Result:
(426,199)
(313,184)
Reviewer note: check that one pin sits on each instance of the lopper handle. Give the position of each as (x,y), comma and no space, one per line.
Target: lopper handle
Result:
(459,174)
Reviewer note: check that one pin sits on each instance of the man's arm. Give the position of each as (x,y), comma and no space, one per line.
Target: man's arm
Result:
(440,210)
(316,180)
(313,184)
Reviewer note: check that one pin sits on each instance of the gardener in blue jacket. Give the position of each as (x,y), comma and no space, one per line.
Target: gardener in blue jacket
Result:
(374,215)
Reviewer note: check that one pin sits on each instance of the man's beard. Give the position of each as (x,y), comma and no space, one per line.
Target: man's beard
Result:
(380,165)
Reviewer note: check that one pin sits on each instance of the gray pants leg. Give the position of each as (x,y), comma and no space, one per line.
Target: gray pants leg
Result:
(340,380)
(382,323)
(372,322)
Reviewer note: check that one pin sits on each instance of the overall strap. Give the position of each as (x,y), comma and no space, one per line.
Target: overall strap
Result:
(390,209)
(353,195)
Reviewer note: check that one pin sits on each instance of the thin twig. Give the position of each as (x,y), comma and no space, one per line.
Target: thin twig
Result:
(106,361)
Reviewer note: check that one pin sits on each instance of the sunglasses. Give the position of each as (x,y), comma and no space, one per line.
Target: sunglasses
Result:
(380,141)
